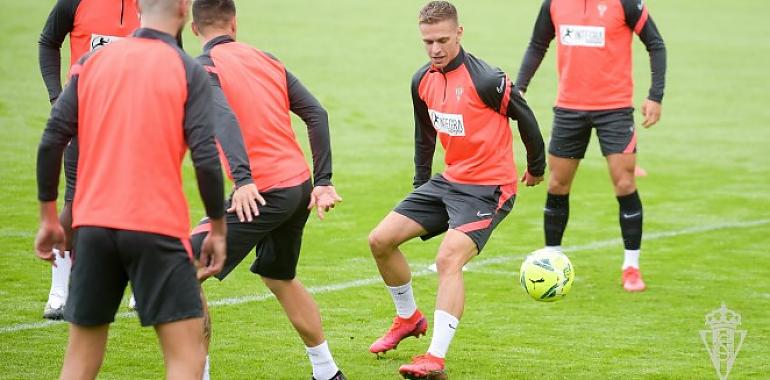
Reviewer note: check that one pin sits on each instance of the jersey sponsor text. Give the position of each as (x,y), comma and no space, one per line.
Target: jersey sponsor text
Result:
(581,35)
(451,124)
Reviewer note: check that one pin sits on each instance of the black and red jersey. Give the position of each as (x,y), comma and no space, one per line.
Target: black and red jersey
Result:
(262,93)
(594,51)
(468,104)
(90,24)
(136,106)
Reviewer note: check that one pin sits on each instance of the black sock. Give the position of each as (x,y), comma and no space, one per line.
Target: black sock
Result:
(555,216)
(630,215)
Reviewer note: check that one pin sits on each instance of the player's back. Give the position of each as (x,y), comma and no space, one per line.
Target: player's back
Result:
(255,85)
(132,97)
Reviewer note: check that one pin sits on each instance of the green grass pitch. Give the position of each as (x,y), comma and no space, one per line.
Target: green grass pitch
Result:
(706,203)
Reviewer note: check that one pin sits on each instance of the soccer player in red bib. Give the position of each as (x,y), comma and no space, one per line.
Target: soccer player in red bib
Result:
(90,24)
(467,104)
(136,107)
(596,92)
(263,94)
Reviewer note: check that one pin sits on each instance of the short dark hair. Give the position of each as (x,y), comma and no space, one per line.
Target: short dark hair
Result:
(207,13)
(438,11)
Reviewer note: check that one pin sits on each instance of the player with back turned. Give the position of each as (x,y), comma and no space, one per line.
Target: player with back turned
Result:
(130,214)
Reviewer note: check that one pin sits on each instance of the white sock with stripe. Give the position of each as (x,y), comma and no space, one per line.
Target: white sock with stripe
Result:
(403,298)
(444,328)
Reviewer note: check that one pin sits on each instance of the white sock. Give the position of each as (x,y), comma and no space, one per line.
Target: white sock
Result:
(556,248)
(323,363)
(444,327)
(403,298)
(60,279)
(206,370)
(631,259)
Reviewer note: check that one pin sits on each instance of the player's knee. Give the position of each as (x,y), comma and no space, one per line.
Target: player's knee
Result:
(380,244)
(447,263)
(625,186)
(557,186)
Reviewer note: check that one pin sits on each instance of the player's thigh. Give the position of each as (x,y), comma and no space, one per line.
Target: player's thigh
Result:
(423,207)
(570,133)
(456,249)
(98,279)
(476,210)
(163,277)
(241,237)
(615,130)
(182,340)
(278,252)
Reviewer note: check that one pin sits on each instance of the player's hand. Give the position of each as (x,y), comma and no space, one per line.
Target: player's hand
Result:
(651,111)
(49,234)
(213,250)
(531,180)
(244,202)
(323,198)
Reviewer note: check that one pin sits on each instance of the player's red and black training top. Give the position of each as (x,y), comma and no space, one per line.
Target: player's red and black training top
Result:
(261,93)
(90,24)
(468,104)
(594,51)
(136,106)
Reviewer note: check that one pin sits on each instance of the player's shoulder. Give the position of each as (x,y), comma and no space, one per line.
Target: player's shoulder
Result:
(632,6)
(485,77)
(419,74)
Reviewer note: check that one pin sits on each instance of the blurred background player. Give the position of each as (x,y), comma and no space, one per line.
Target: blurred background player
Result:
(467,103)
(262,93)
(129,228)
(91,24)
(596,91)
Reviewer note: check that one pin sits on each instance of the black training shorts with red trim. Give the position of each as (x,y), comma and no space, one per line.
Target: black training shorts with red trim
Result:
(276,233)
(159,267)
(572,131)
(475,210)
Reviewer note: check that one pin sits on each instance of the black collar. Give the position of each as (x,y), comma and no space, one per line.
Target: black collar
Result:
(155,34)
(453,64)
(223,39)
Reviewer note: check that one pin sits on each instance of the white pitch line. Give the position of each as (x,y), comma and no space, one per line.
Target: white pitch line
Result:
(478,263)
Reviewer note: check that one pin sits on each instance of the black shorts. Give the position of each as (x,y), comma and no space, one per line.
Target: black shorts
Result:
(276,234)
(70,168)
(474,210)
(572,131)
(159,268)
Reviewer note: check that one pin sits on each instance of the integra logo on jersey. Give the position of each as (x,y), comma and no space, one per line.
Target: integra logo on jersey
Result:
(580,35)
(451,124)
(99,40)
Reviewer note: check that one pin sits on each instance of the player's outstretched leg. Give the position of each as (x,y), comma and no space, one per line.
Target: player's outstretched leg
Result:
(303,314)
(384,242)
